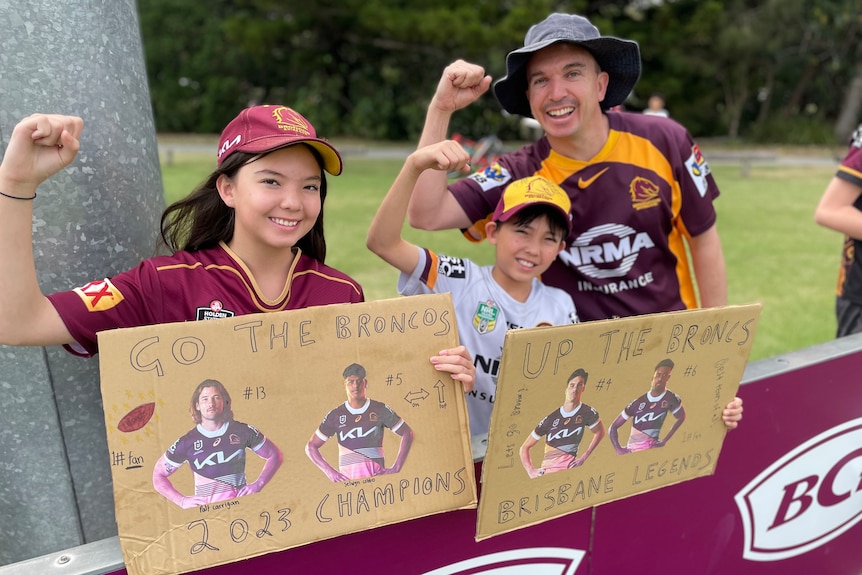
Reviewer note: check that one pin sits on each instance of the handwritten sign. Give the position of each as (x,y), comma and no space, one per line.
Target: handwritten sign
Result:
(594,412)
(238,437)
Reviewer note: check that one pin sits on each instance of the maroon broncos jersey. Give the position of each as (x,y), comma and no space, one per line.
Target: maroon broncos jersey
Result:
(216,457)
(360,436)
(850,278)
(648,414)
(207,284)
(633,205)
(563,432)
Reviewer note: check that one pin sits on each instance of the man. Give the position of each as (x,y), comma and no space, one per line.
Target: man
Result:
(640,189)
(359,423)
(641,192)
(648,413)
(215,449)
(840,209)
(563,431)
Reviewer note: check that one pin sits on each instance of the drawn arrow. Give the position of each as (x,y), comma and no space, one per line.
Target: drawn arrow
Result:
(414,397)
(440,387)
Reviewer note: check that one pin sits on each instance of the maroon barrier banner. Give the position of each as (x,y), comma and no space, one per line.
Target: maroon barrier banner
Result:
(786,498)
(437,545)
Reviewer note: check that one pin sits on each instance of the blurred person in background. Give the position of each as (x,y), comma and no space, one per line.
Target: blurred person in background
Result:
(840,209)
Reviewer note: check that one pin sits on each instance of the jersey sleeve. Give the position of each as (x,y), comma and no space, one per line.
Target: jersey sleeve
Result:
(697,186)
(542,428)
(478,195)
(850,169)
(175,454)
(255,439)
(424,276)
(329,426)
(592,417)
(676,402)
(437,273)
(630,409)
(129,299)
(390,418)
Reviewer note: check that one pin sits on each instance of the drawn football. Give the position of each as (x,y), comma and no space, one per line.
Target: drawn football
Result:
(136,418)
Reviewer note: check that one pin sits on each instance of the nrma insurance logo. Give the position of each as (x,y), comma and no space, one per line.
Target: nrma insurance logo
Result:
(606,251)
(530,561)
(805,499)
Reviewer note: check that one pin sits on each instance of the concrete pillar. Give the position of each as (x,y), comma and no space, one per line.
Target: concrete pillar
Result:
(98,217)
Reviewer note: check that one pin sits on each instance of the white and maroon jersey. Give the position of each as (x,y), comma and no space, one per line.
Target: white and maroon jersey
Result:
(359,433)
(484,312)
(633,204)
(563,432)
(216,457)
(648,414)
(207,284)
(850,276)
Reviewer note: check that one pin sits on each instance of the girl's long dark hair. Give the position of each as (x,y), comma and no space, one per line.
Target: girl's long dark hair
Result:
(201,220)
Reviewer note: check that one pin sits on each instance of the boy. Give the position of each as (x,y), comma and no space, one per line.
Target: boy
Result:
(528,230)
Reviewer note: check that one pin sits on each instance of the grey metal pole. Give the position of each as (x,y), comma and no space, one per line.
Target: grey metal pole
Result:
(96,218)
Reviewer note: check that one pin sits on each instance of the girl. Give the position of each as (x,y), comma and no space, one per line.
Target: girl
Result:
(249,239)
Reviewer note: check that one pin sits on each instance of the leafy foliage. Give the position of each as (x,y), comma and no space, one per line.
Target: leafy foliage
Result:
(367,68)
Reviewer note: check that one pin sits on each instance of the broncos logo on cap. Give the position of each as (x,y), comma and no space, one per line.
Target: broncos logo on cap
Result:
(290,121)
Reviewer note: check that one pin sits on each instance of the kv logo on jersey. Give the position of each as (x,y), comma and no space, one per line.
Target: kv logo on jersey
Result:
(807,498)
(217,458)
(355,433)
(564,433)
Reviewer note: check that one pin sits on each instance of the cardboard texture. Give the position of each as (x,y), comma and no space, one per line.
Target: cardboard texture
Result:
(623,359)
(284,372)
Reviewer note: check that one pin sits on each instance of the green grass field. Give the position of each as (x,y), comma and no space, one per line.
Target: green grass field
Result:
(775,253)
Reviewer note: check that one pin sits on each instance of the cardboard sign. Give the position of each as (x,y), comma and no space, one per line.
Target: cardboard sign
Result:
(599,411)
(234,438)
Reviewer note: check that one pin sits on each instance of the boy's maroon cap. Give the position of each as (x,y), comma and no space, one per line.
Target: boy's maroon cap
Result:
(261,129)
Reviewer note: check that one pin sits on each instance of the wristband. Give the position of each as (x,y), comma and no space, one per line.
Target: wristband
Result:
(33,197)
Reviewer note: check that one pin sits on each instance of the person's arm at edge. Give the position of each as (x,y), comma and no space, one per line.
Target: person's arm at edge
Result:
(709,268)
(312,450)
(432,206)
(273,458)
(40,146)
(836,210)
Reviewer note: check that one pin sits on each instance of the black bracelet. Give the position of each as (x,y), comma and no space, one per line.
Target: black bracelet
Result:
(33,197)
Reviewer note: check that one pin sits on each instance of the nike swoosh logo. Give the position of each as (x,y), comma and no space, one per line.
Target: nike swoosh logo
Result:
(583,184)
